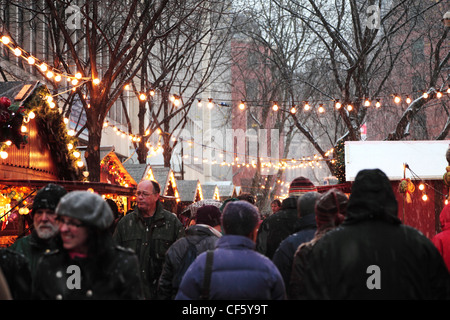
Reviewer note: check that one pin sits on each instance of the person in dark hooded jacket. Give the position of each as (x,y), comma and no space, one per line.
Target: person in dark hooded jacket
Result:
(285,222)
(88,266)
(284,255)
(330,211)
(203,235)
(372,255)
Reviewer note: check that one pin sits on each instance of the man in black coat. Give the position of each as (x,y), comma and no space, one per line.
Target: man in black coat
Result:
(372,255)
(285,222)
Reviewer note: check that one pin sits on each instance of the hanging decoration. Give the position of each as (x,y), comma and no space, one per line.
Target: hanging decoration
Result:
(407,188)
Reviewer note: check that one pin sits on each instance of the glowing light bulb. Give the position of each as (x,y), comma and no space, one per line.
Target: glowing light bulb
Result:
(408,100)
(17,52)
(338,105)
(275,107)
(397,99)
(5,40)
(31,60)
(242,105)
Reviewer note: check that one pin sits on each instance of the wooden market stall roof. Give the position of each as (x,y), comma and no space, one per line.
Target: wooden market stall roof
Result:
(111,166)
(226,189)
(45,155)
(139,171)
(166,179)
(210,191)
(190,190)
(99,187)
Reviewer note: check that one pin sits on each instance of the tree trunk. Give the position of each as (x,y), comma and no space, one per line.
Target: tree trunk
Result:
(92,154)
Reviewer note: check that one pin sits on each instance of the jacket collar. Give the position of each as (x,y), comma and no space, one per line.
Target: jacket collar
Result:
(231,241)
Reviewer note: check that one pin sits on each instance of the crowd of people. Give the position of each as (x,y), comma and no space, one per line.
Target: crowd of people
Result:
(313,246)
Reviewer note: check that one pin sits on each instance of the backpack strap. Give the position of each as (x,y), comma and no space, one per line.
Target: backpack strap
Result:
(207,278)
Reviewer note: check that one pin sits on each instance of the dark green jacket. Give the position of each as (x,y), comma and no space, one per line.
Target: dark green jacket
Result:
(150,242)
(33,247)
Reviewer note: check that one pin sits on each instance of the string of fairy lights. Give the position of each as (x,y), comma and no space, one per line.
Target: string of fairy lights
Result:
(321,107)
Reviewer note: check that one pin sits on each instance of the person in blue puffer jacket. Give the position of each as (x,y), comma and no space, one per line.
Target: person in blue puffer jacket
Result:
(238,271)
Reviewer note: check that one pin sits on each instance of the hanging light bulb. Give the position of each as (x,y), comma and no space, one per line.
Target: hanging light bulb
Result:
(321,108)
(439,94)
(17,52)
(408,100)
(31,60)
(78,75)
(337,105)
(142,97)
(367,103)
(96,81)
(3,155)
(306,106)
(349,107)
(293,109)
(5,40)
(397,99)
(210,103)
(275,106)
(378,103)
(43,67)
(242,105)
(425,95)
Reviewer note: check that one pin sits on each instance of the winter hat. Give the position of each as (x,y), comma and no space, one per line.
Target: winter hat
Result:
(48,197)
(307,203)
(209,215)
(88,207)
(300,186)
(331,208)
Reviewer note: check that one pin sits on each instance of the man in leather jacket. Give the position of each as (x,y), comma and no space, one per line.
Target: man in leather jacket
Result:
(149,231)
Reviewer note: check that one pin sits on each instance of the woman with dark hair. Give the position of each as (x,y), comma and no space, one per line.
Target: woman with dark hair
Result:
(88,265)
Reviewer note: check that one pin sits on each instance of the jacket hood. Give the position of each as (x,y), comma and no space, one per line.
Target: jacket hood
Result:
(444,218)
(372,197)
(202,230)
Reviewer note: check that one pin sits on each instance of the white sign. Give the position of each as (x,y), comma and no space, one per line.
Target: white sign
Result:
(425,158)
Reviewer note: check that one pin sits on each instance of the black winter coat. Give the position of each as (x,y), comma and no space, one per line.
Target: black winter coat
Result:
(372,255)
(203,237)
(277,227)
(118,278)
(17,274)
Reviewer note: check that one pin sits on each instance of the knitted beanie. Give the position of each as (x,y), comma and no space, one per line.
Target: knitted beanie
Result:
(300,186)
(331,208)
(48,197)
